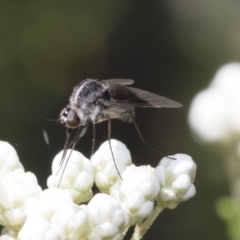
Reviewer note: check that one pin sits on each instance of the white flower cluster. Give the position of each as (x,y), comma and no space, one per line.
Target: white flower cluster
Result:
(214,115)
(176,179)
(18,189)
(104,167)
(27,212)
(78,177)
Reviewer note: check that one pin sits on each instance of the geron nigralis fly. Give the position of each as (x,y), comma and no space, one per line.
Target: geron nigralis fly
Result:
(94,101)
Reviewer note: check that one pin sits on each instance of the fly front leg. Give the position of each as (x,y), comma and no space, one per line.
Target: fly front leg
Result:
(94,139)
(80,133)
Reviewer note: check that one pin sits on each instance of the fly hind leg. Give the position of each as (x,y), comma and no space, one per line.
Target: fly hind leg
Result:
(142,138)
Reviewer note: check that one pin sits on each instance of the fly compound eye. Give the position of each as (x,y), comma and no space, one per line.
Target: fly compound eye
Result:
(72,120)
(63,116)
(69,118)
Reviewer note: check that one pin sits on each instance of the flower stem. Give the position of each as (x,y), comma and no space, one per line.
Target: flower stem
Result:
(141,228)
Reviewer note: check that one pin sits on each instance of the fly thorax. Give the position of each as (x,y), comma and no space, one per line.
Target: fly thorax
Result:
(91,111)
(88,91)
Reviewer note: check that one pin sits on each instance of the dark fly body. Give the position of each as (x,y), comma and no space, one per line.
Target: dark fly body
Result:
(94,101)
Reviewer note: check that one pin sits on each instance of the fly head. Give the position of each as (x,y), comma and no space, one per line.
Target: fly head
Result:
(69,118)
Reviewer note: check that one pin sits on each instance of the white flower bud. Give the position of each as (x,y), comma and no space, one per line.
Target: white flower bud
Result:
(73,219)
(103,163)
(77,179)
(6,237)
(48,202)
(39,229)
(17,188)
(176,179)
(9,160)
(106,217)
(137,191)
(9,232)
(212,115)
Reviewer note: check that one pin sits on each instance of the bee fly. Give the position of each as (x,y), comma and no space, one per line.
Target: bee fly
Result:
(94,101)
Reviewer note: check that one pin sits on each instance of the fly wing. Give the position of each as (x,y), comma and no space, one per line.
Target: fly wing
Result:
(118,81)
(155,100)
(128,96)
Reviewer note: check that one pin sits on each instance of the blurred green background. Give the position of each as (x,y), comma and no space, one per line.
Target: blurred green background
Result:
(172,48)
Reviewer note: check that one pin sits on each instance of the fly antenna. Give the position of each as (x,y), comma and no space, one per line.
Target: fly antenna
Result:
(52,120)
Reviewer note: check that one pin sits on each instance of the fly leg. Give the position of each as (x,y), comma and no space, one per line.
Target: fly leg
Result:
(142,138)
(66,146)
(109,142)
(79,134)
(94,139)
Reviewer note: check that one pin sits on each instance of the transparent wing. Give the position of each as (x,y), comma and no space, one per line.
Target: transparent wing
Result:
(154,99)
(118,81)
(135,97)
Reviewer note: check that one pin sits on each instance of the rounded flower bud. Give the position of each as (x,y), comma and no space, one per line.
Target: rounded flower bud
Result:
(76,178)
(73,219)
(213,116)
(48,202)
(176,179)
(106,217)
(9,160)
(10,232)
(105,170)
(137,191)
(17,189)
(6,237)
(40,229)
